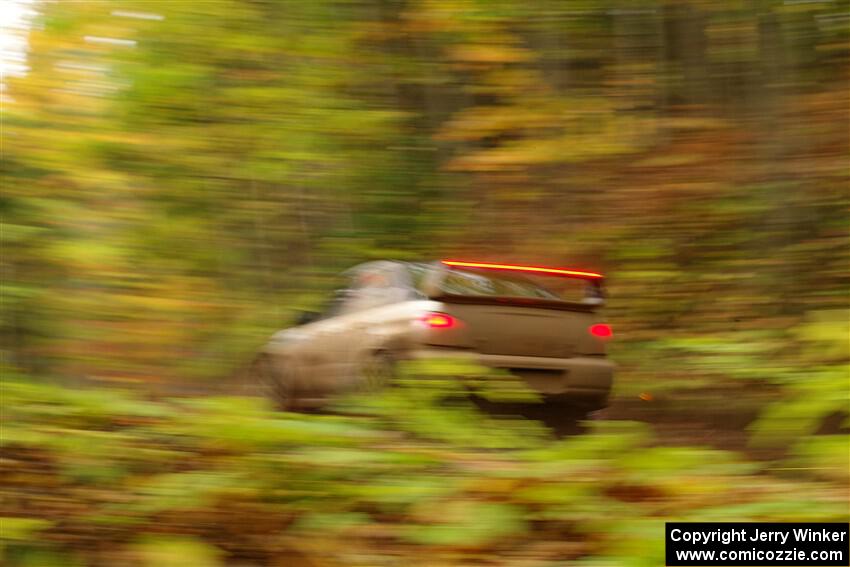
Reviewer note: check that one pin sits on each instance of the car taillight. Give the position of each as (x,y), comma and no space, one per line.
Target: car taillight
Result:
(601,331)
(439,321)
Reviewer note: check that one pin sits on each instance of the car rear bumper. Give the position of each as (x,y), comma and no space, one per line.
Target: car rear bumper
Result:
(578,378)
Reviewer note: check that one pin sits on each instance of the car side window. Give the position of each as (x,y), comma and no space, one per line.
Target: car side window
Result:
(413,280)
(400,288)
(375,287)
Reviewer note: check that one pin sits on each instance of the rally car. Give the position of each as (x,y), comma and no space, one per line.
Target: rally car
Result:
(541,324)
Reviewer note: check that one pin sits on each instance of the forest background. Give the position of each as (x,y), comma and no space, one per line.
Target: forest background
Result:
(180,178)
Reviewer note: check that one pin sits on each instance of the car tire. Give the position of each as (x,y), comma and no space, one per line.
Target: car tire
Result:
(568,408)
(272,383)
(587,404)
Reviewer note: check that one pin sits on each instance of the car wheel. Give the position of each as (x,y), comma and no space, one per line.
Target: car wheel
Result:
(565,412)
(377,372)
(272,383)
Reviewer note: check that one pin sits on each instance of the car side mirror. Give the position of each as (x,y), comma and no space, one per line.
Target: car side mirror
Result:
(306,317)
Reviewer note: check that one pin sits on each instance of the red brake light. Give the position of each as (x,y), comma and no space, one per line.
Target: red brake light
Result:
(601,331)
(538,269)
(439,321)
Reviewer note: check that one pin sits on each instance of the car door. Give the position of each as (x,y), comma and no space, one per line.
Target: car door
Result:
(313,354)
(374,286)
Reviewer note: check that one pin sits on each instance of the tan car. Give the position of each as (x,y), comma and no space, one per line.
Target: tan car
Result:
(541,324)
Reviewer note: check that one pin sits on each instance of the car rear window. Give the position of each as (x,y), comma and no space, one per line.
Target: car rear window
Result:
(492,283)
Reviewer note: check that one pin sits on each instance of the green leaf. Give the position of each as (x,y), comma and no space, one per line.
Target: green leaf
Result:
(22,529)
(470,524)
(177,551)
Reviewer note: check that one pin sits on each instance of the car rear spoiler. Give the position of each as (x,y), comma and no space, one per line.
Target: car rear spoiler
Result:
(595,297)
(563,272)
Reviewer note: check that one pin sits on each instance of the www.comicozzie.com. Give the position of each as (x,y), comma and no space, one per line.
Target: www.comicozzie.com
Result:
(739,543)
